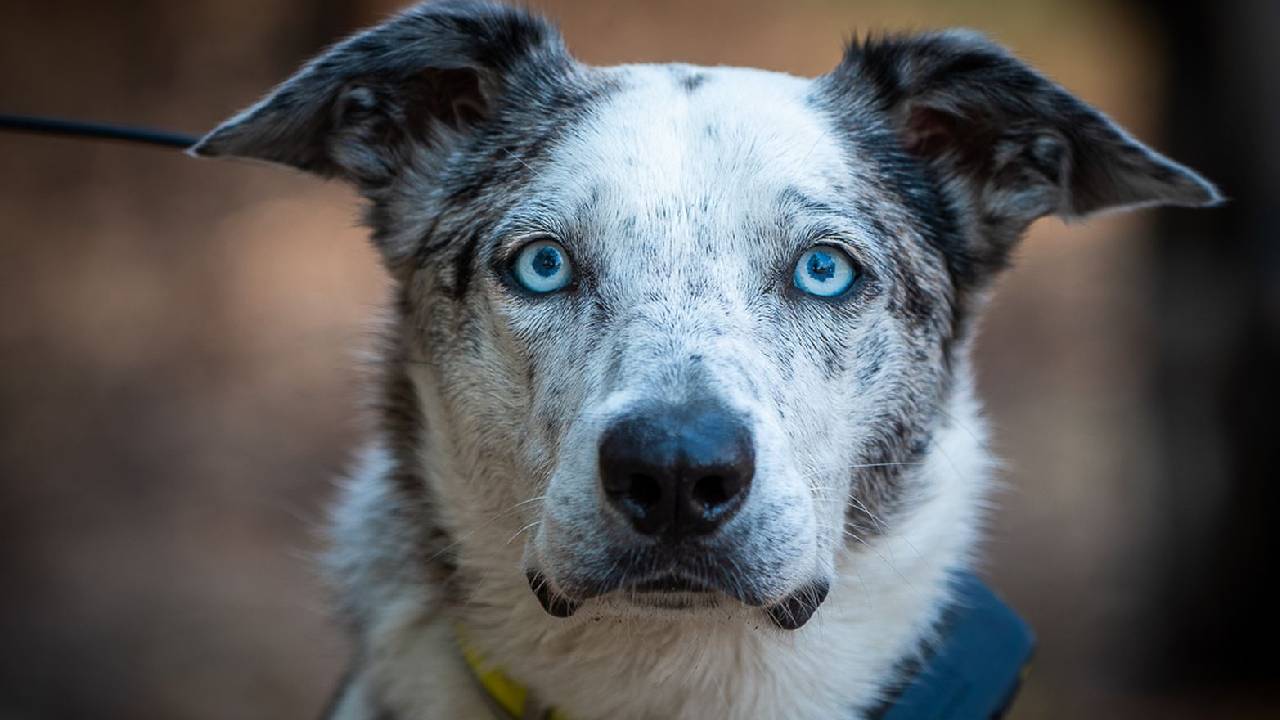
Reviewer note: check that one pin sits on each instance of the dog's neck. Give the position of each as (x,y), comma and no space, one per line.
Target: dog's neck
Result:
(727,662)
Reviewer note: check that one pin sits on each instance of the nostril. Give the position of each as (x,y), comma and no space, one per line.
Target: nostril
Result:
(642,497)
(642,492)
(711,492)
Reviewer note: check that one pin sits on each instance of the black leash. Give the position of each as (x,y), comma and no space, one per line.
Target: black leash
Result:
(96,131)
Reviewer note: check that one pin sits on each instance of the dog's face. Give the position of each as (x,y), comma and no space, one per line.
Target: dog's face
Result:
(730,334)
(684,331)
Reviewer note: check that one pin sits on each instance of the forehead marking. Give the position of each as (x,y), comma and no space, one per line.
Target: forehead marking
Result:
(687,77)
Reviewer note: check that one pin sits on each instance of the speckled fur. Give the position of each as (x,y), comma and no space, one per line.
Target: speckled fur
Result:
(684,196)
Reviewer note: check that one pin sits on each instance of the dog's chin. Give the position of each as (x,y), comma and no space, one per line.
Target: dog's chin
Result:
(673,592)
(672,601)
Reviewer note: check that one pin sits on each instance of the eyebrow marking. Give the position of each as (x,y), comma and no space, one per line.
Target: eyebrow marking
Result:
(796,202)
(795,199)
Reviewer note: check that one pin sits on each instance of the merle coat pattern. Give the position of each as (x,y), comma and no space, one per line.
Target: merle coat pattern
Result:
(682,198)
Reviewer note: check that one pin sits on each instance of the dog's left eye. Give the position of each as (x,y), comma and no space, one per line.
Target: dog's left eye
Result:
(825,271)
(543,267)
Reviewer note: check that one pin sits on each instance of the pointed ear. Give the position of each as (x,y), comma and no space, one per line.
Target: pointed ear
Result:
(1017,145)
(425,77)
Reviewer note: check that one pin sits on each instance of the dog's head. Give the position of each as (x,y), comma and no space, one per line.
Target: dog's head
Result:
(678,327)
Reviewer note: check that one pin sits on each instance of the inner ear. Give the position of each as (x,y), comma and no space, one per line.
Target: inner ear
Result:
(377,120)
(1015,170)
(451,96)
(965,142)
(929,132)
(1008,143)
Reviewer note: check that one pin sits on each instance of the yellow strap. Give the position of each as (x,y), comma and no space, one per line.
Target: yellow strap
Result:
(507,693)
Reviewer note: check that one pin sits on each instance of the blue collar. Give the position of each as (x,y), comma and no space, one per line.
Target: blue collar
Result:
(976,667)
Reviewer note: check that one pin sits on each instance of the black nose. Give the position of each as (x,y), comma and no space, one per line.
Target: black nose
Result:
(677,470)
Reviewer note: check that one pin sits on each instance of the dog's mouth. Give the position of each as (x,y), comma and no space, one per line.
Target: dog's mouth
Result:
(672,583)
(672,591)
(678,591)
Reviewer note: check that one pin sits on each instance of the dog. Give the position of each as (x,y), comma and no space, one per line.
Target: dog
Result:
(675,410)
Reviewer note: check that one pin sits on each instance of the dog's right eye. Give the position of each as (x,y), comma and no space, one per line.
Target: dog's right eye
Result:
(825,271)
(543,267)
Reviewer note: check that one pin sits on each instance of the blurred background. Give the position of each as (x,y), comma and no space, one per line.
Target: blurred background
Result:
(179,356)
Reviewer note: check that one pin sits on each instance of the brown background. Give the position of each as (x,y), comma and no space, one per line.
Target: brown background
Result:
(179,350)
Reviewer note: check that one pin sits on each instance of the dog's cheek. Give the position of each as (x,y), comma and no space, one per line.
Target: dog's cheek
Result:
(842,389)
(476,369)
(571,540)
(558,377)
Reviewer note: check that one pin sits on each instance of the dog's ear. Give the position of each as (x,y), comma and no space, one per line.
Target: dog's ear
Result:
(422,78)
(1015,145)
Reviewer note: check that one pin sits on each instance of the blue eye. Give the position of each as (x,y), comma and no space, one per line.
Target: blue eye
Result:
(543,266)
(825,271)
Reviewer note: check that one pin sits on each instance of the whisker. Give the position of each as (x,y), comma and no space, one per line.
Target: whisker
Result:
(956,421)
(522,530)
(880,524)
(483,525)
(536,174)
(518,159)
(885,464)
(878,554)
